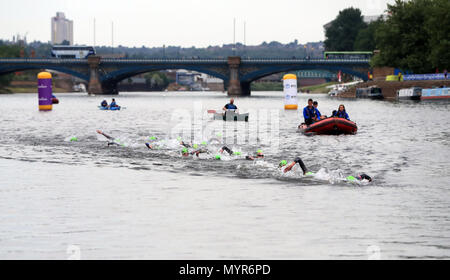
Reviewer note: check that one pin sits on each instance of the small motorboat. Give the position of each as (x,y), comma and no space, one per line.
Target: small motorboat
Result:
(231,116)
(372,92)
(413,93)
(330,126)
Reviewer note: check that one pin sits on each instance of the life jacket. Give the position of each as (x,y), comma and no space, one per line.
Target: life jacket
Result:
(310,112)
(318,114)
(231,107)
(341,115)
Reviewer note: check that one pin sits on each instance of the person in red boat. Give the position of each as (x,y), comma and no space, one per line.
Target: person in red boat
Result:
(341,113)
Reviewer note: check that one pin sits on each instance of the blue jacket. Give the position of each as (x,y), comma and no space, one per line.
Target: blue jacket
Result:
(309,113)
(342,115)
(231,107)
(318,114)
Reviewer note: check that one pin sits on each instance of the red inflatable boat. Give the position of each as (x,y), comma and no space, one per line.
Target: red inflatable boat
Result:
(330,126)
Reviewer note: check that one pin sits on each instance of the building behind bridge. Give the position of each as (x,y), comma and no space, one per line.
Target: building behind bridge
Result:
(62,29)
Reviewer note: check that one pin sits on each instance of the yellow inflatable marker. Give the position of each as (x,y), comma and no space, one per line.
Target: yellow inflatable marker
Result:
(45,91)
(290,92)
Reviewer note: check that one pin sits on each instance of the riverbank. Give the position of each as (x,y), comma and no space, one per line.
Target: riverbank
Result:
(390,89)
(322,88)
(11,90)
(267,86)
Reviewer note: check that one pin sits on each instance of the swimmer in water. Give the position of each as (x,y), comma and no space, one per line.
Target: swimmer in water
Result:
(299,161)
(112,140)
(185,152)
(259,154)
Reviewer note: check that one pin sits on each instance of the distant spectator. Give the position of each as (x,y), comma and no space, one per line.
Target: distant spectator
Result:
(445,74)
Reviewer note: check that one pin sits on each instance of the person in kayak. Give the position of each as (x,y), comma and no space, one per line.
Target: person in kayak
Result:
(104,104)
(299,161)
(113,104)
(309,113)
(341,113)
(318,114)
(230,106)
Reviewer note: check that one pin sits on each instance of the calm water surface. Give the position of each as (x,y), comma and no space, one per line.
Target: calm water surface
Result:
(62,198)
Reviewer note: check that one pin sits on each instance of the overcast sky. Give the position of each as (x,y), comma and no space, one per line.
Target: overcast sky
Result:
(179,22)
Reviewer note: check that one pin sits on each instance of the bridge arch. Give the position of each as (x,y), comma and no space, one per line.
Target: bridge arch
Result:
(256,75)
(9,70)
(128,72)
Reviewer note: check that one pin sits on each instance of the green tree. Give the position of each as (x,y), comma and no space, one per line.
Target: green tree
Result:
(415,36)
(341,34)
(8,51)
(156,80)
(438,29)
(365,41)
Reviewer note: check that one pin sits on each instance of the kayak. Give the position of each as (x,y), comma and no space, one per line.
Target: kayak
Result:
(231,116)
(109,109)
(330,126)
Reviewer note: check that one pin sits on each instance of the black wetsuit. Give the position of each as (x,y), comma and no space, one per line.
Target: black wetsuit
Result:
(302,164)
(226,149)
(364,177)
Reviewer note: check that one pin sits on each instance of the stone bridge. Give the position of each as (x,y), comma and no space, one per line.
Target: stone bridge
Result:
(103,75)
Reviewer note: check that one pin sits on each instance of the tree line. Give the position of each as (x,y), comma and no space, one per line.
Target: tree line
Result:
(414,36)
(11,51)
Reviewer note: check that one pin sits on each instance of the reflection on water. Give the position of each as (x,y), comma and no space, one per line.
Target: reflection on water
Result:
(125,201)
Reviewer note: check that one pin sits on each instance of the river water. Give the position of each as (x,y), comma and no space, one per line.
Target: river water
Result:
(84,199)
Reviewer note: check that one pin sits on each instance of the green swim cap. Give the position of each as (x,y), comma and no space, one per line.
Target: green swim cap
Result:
(179,138)
(283,163)
(219,134)
(237,153)
(73,139)
(195,146)
(218,157)
(152,138)
(204,143)
(351,178)
(185,151)
(259,151)
(309,174)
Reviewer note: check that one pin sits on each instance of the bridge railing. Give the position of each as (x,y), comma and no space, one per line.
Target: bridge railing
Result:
(41,60)
(194,61)
(303,60)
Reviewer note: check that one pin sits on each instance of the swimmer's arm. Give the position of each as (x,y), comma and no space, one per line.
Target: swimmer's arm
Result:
(104,134)
(289,168)
(300,162)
